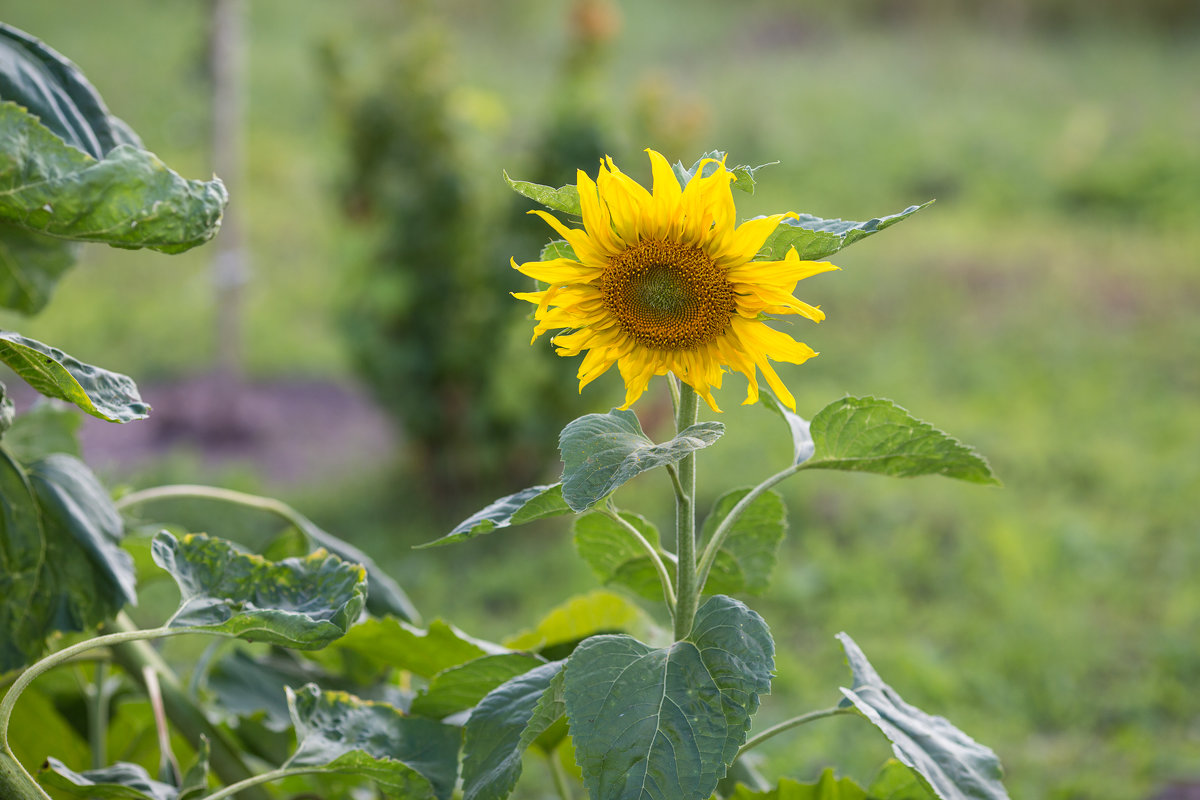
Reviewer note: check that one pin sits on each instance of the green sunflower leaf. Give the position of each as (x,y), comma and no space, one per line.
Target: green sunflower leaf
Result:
(743,174)
(31,265)
(603,451)
(748,554)
(557,249)
(613,554)
(107,395)
(826,787)
(868,434)
(527,505)
(7,411)
(407,757)
(895,781)
(955,765)
(650,723)
(461,687)
(582,616)
(503,726)
(375,644)
(121,781)
(564,198)
(303,603)
(815,238)
(61,564)
(46,428)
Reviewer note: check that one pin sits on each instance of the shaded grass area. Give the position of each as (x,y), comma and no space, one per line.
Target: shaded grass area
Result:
(1043,310)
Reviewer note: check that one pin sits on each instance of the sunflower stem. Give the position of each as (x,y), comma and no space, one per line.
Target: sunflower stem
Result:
(687,590)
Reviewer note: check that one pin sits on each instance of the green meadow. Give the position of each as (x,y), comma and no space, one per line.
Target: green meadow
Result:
(1043,310)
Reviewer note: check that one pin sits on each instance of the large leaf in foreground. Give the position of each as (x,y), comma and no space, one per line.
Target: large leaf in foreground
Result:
(666,723)
(303,603)
(527,505)
(408,757)
(503,726)
(602,451)
(954,764)
(61,566)
(107,395)
(868,434)
(815,238)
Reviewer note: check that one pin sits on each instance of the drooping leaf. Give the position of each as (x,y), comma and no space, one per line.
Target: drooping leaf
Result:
(126,198)
(31,265)
(614,555)
(107,395)
(868,434)
(743,174)
(826,787)
(61,568)
(802,442)
(895,781)
(46,428)
(503,726)
(460,687)
(303,603)
(564,198)
(602,451)
(748,554)
(582,616)
(408,757)
(244,685)
(815,238)
(121,781)
(527,505)
(55,91)
(666,723)
(955,765)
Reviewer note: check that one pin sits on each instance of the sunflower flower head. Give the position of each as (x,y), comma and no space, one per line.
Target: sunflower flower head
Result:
(665,281)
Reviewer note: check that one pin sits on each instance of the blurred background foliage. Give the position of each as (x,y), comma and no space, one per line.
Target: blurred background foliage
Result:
(1043,310)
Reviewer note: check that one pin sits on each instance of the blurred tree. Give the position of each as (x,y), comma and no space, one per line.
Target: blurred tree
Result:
(430,323)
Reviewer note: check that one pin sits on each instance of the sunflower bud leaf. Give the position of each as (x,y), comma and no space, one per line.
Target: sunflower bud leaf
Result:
(564,198)
(815,238)
(743,174)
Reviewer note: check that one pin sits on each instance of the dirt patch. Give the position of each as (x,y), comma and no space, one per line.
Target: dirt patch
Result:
(290,432)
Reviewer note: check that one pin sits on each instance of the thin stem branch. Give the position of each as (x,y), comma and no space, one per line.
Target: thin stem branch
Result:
(661,568)
(686,588)
(559,775)
(263,777)
(98,716)
(718,538)
(794,722)
(184,490)
(54,659)
(680,494)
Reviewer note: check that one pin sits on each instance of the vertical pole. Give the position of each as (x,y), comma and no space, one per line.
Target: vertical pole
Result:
(229,269)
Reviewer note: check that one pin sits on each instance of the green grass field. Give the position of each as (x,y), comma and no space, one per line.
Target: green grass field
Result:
(1043,310)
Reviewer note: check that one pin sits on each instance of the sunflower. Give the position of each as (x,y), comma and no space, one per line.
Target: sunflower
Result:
(667,282)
